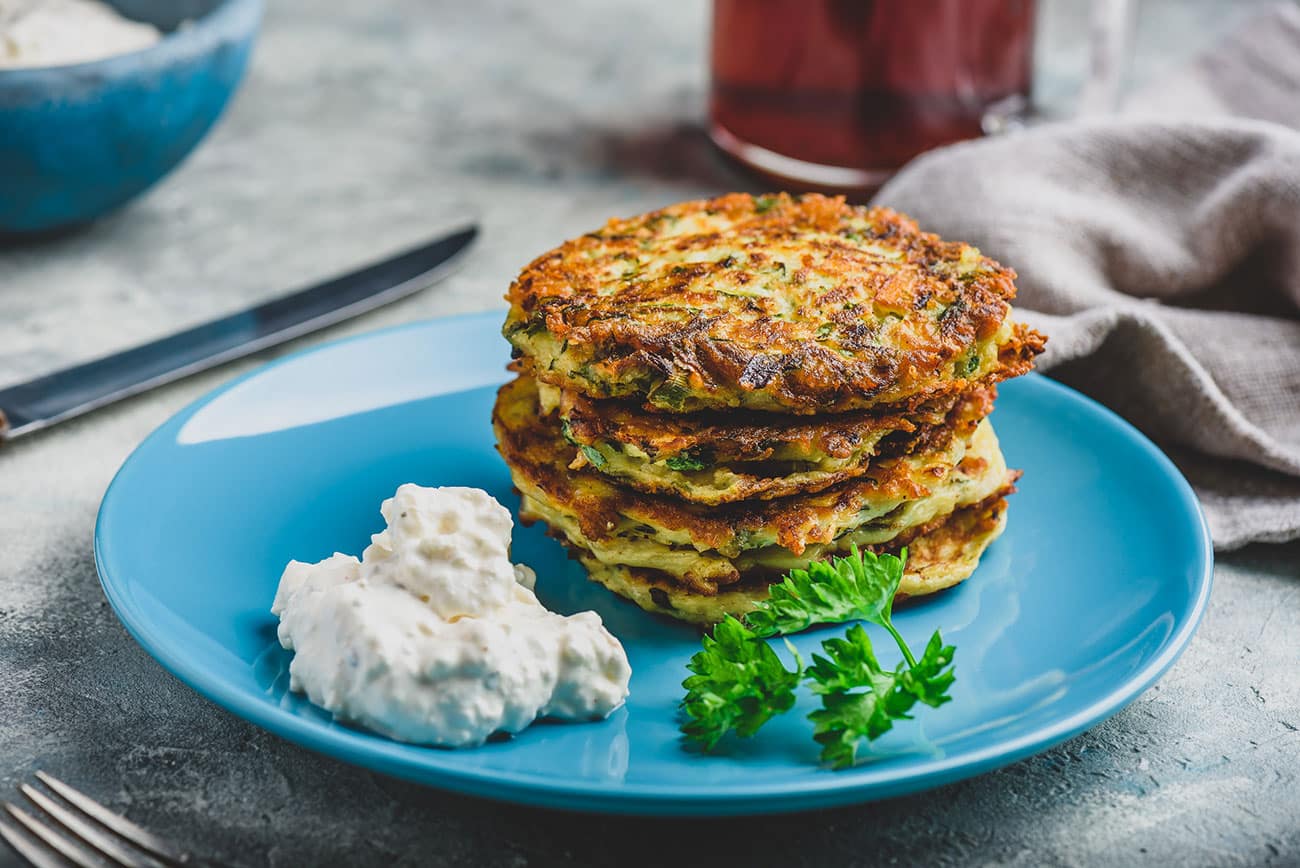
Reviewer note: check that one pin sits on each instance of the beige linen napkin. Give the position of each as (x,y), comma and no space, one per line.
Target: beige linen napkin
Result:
(1160,252)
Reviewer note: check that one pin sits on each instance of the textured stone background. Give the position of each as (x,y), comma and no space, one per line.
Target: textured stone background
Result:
(363,127)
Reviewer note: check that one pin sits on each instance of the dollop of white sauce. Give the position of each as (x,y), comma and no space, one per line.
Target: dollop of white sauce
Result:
(435,637)
(61,32)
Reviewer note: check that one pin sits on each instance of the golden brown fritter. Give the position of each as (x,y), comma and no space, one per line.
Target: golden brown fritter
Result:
(706,548)
(776,303)
(530,443)
(939,556)
(715,458)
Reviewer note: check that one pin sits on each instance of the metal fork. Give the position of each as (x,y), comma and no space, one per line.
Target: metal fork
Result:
(75,828)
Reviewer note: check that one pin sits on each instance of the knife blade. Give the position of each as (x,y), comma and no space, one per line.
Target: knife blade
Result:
(52,398)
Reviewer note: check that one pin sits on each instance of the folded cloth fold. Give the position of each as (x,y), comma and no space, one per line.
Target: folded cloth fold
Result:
(1162,258)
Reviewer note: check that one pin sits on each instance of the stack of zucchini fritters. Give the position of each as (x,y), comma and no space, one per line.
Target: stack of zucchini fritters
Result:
(712,394)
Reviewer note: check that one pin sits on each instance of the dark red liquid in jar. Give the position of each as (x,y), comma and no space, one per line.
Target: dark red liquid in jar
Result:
(862,84)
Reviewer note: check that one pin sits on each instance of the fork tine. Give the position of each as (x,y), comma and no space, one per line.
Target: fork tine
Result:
(88,832)
(51,838)
(142,838)
(38,856)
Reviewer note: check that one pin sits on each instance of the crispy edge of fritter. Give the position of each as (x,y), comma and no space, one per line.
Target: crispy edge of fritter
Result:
(839,437)
(763,362)
(745,435)
(533,446)
(941,555)
(1014,357)
(708,571)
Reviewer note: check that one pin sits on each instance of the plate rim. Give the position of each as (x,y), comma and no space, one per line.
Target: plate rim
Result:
(838,788)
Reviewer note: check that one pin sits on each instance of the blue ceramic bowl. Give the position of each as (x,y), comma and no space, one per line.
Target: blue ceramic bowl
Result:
(78,141)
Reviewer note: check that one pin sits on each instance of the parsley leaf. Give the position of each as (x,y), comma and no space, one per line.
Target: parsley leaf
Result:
(593,455)
(739,684)
(929,679)
(670,394)
(860,586)
(846,717)
(687,460)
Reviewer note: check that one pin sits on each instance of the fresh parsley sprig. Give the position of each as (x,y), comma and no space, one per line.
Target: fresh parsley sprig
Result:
(739,682)
(858,587)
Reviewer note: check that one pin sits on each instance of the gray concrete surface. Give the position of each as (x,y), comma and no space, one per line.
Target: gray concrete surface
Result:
(363,127)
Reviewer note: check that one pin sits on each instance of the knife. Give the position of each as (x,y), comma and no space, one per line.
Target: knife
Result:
(70,392)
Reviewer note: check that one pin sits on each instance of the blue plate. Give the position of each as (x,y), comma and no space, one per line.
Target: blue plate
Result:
(1090,595)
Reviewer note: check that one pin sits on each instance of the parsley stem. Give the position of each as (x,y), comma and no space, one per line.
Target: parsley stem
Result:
(902,646)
